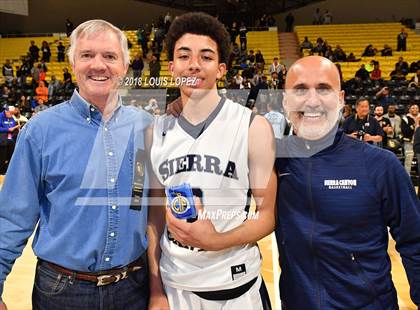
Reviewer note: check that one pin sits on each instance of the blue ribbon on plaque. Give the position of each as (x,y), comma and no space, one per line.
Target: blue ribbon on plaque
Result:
(181,201)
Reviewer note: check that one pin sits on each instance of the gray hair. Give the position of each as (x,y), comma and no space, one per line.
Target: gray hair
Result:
(94,26)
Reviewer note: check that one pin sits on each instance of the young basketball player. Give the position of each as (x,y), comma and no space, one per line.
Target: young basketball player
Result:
(224,153)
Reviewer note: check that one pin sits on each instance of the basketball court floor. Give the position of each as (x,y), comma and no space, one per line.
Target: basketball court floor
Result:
(18,287)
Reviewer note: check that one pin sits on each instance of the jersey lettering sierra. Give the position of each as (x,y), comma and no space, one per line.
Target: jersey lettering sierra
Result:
(211,157)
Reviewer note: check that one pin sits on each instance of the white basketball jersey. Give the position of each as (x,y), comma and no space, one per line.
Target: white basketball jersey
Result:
(217,163)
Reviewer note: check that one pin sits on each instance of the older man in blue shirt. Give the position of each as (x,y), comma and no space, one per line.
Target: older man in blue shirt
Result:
(74,165)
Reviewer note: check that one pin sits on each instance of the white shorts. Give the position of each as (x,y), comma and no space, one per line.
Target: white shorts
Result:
(256,298)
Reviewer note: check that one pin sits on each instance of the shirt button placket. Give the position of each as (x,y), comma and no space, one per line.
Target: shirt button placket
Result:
(112,191)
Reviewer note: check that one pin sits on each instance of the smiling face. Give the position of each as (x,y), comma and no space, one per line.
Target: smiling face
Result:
(98,65)
(313,98)
(196,56)
(414,110)
(379,111)
(362,109)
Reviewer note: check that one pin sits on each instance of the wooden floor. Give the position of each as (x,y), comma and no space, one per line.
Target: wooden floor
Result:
(18,287)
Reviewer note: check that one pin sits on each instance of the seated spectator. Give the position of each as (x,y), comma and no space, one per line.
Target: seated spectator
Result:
(238,81)
(42,91)
(376,74)
(46,52)
(7,71)
(352,58)
(137,66)
(402,66)
(25,68)
(154,67)
(324,47)
(151,106)
(53,87)
(263,83)
(347,112)
(60,52)
(40,107)
(21,79)
(42,75)
(248,73)
(67,80)
(259,59)
(329,53)
(362,73)
(397,75)
(370,51)
(319,47)
(275,66)
(251,57)
(19,118)
(414,66)
(415,80)
(371,65)
(306,44)
(24,104)
(243,59)
(274,83)
(339,54)
(5,93)
(282,75)
(387,51)
(44,66)
(236,51)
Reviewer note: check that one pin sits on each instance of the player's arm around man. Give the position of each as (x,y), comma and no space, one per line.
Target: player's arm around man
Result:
(263,183)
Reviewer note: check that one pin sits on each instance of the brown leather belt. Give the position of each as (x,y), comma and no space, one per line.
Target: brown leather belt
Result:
(104,277)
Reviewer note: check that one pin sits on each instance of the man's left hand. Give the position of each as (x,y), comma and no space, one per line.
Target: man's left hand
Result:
(200,234)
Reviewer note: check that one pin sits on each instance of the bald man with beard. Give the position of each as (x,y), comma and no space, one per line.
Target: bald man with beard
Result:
(336,199)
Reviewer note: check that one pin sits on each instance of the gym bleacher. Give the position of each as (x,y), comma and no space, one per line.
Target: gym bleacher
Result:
(353,38)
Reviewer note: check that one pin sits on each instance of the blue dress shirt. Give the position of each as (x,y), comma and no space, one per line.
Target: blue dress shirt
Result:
(72,173)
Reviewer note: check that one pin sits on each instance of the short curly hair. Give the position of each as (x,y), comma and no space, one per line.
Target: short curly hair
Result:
(200,24)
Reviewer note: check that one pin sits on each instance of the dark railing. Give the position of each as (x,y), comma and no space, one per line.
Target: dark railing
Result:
(26,35)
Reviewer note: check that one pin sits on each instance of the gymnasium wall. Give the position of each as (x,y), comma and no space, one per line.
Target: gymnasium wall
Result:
(50,15)
(356,11)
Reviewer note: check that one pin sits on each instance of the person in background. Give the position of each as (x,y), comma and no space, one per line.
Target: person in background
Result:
(362,126)
(402,40)
(60,52)
(276,119)
(46,52)
(9,130)
(408,124)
